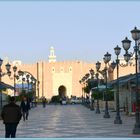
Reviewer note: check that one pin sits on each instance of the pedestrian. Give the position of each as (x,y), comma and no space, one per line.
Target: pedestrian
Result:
(44,102)
(11,115)
(60,100)
(25,106)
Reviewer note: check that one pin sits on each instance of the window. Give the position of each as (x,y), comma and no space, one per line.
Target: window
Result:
(70,69)
(61,69)
(53,69)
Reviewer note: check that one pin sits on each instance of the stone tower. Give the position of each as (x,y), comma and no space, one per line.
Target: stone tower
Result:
(52,56)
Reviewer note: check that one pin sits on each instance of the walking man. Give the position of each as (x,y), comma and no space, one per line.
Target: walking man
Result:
(44,102)
(25,106)
(11,115)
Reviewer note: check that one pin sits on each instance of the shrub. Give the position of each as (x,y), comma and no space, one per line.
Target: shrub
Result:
(55,99)
(109,95)
(96,94)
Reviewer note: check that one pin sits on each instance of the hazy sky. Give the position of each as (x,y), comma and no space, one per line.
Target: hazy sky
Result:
(83,30)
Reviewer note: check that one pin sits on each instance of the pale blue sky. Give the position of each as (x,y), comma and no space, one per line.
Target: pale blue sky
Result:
(77,30)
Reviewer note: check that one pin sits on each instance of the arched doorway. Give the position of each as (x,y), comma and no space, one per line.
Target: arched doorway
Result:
(62,91)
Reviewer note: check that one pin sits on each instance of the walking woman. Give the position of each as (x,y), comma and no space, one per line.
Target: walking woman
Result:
(25,106)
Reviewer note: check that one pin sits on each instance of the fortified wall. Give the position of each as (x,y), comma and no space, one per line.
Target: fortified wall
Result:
(62,77)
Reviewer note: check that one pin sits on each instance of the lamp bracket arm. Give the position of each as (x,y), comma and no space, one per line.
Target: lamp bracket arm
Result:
(132,53)
(3,74)
(123,65)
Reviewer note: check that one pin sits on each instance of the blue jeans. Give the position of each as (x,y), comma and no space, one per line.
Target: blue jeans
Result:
(10,130)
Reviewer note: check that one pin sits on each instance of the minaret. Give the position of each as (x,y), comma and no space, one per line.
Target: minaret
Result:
(52,57)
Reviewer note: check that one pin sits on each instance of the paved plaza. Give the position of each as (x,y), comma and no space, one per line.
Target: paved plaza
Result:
(71,121)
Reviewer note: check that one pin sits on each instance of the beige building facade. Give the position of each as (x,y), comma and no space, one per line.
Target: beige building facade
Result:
(60,77)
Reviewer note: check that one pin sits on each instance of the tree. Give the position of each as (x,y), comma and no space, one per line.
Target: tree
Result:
(109,95)
(97,94)
(87,89)
(91,83)
(101,94)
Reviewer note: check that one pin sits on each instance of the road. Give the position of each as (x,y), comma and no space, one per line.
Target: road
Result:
(71,121)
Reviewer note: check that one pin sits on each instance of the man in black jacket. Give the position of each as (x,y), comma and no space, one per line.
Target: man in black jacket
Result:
(25,106)
(11,115)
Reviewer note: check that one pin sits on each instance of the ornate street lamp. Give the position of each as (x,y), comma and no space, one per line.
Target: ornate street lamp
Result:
(8,66)
(91,72)
(80,81)
(98,65)
(91,82)
(107,58)
(117,120)
(98,108)
(38,82)
(14,69)
(87,75)
(33,81)
(27,77)
(21,73)
(23,80)
(126,45)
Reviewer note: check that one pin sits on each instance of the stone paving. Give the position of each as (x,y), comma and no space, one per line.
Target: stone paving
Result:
(72,121)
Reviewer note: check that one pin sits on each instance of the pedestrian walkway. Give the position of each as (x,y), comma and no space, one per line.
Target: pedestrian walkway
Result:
(71,121)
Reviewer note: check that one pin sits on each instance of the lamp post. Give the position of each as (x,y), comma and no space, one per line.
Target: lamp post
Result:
(33,83)
(27,79)
(87,85)
(126,45)
(84,83)
(98,65)
(98,108)
(28,76)
(8,66)
(21,73)
(33,89)
(1,61)
(91,81)
(38,82)
(80,81)
(117,120)
(23,80)
(14,69)
(107,58)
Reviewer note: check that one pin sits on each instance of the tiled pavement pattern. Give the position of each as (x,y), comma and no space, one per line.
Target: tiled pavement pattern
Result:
(71,121)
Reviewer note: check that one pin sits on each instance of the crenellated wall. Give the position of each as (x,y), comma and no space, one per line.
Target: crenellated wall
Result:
(67,73)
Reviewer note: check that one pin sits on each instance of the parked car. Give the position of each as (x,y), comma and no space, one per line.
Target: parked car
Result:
(64,102)
(76,100)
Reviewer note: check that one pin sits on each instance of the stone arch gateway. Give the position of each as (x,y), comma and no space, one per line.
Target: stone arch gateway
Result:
(62,91)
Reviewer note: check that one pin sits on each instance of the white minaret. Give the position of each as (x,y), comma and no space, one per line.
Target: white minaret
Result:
(52,57)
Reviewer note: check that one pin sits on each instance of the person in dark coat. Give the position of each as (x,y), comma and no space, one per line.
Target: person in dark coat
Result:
(25,106)
(44,101)
(11,115)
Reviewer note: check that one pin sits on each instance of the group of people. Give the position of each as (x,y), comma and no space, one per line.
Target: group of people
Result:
(12,114)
